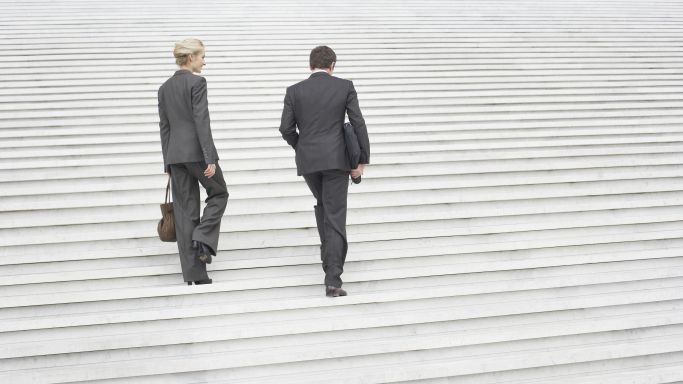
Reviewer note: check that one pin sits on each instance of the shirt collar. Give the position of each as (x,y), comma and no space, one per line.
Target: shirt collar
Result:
(319,73)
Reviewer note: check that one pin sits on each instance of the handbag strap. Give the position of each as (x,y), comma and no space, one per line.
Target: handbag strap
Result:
(168,191)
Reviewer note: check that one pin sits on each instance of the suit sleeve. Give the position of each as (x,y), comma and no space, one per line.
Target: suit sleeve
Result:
(288,121)
(356,119)
(165,130)
(200,112)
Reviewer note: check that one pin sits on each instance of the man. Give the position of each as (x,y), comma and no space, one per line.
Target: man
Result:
(316,107)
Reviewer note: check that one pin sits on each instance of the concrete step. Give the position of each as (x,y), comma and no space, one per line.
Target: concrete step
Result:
(412,252)
(372,96)
(465,187)
(273,105)
(482,289)
(391,206)
(16,81)
(259,277)
(380,78)
(559,85)
(380,115)
(659,369)
(271,138)
(151,64)
(491,81)
(378,158)
(452,357)
(640,370)
(152,67)
(475,242)
(416,365)
(386,169)
(264,128)
(388,164)
(423,319)
(280,149)
(431,261)
(379,223)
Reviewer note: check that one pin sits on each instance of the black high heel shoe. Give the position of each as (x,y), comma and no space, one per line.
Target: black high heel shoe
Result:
(202,252)
(206,259)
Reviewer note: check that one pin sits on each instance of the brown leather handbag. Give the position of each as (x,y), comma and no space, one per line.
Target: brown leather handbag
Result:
(166,226)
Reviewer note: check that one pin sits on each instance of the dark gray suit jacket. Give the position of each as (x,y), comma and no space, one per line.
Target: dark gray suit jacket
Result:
(316,106)
(184,120)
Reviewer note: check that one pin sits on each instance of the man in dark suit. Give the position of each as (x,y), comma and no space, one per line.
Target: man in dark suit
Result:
(316,108)
(190,157)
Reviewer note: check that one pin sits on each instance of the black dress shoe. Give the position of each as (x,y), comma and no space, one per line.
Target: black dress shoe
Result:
(189,283)
(205,281)
(334,292)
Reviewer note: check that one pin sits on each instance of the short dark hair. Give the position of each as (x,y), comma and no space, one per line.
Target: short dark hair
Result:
(322,57)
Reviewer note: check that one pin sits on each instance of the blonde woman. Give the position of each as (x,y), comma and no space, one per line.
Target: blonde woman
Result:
(190,158)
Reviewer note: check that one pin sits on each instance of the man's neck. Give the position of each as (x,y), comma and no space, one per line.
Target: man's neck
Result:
(316,70)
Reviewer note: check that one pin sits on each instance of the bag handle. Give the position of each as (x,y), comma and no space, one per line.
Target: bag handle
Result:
(168,191)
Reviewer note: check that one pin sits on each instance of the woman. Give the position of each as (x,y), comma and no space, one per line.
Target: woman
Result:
(190,158)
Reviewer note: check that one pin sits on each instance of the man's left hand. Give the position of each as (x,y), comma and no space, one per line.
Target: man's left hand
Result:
(358,171)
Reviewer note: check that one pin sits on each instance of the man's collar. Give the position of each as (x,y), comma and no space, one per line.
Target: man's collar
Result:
(319,72)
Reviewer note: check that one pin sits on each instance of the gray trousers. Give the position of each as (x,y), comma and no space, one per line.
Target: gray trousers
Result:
(330,188)
(185,179)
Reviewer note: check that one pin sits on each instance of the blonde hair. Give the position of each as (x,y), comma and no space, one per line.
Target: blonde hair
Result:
(184,48)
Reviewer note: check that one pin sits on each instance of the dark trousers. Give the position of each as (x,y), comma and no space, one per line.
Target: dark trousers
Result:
(330,189)
(185,180)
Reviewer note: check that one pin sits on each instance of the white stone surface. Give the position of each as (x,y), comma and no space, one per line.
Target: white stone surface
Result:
(521,221)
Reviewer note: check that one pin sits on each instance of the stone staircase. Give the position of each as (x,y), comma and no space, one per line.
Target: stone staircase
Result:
(521,221)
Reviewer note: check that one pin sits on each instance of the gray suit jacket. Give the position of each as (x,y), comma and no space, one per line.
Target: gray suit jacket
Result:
(316,106)
(184,120)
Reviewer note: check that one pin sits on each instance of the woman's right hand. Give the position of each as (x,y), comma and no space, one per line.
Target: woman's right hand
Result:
(210,170)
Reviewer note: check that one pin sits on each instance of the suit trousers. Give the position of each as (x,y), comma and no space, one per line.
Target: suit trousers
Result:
(330,189)
(185,180)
